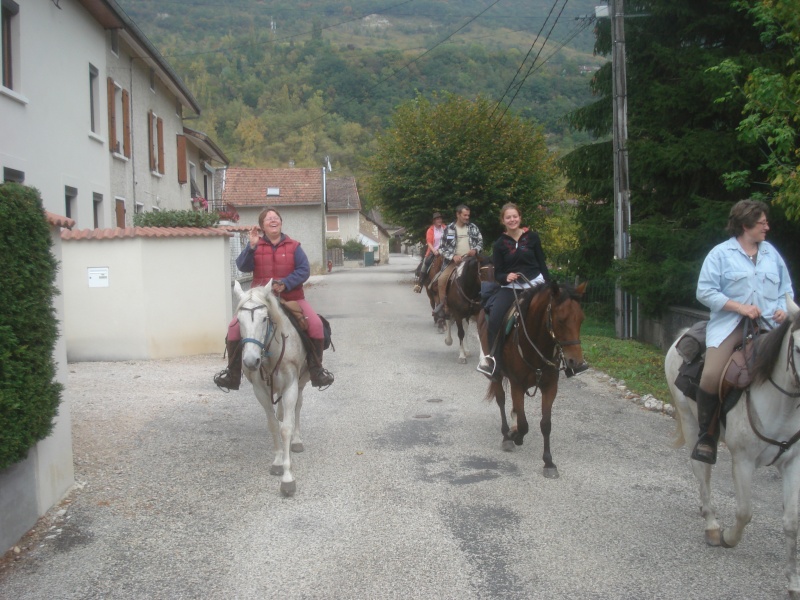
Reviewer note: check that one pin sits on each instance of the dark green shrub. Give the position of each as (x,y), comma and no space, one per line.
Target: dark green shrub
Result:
(29,396)
(176,218)
(333,243)
(353,247)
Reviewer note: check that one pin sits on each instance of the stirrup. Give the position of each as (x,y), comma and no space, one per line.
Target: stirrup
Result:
(225,385)
(705,450)
(487,365)
(322,379)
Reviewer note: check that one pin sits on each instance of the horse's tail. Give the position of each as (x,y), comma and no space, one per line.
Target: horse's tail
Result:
(491,392)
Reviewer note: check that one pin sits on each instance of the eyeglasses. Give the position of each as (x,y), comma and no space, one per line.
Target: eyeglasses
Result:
(763,223)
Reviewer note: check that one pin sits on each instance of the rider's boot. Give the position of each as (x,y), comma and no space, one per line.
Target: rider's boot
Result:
(230,378)
(320,376)
(708,407)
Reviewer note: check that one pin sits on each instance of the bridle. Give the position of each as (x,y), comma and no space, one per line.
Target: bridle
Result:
(783,446)
(474,305)
(560,363)
(269,338)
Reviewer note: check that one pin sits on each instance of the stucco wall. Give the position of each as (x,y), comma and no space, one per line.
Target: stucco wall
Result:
(348,226)
(166,297)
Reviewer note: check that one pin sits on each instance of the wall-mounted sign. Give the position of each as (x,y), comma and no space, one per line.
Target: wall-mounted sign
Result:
(98,277)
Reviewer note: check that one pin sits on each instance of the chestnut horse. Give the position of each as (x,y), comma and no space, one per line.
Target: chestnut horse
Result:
(543,342)
(464,297)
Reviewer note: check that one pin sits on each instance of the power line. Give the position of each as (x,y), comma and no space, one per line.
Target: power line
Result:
(533,64)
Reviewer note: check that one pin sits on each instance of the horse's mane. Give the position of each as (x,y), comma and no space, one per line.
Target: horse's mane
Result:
(767,350)
(561,292)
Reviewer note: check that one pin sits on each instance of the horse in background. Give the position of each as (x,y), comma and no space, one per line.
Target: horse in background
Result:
(430,289)
(760,430)
(274,361)
(544,340)
(464,298)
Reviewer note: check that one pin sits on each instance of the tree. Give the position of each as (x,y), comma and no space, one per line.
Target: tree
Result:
(450,151)
(681,143)
(772,110)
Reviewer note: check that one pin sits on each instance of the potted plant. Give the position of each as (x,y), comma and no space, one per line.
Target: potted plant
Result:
(199,203)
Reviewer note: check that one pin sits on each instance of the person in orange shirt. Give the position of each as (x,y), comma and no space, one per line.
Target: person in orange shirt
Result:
(433,238)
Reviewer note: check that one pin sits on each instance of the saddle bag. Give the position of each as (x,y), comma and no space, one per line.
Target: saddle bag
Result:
(736,375)
(292,307)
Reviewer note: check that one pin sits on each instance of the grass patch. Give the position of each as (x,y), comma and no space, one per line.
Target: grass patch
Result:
(640,365)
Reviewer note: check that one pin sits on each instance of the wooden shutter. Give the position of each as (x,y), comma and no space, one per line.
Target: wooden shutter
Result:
(182,166)
(126,123)
(112,117)
(160,131)
(150,140)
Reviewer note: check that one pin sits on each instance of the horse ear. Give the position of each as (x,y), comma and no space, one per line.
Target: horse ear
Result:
(791,307)
(238,291)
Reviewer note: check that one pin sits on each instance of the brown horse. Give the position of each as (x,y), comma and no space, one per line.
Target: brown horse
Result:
(464,298)
(430,289)
(545,341)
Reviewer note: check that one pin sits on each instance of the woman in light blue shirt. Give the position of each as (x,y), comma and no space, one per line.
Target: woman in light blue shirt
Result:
(742,278)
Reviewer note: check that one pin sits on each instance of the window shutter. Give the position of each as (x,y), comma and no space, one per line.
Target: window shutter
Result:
(182,170)
(160,132)
(126,123)
(150,140)
(112,117)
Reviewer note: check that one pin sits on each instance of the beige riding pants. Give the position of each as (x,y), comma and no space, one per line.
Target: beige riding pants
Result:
(717,358)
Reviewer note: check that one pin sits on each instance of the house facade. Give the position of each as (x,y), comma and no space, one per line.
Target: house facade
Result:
(343,207)
(92,116)
(298,194)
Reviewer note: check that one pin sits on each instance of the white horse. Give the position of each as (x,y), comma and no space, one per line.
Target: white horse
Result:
(274,361)
(761,431)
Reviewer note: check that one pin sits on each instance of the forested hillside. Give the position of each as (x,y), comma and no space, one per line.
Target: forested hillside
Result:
(282,82)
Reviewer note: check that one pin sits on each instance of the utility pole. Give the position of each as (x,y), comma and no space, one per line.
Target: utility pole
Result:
(622,192)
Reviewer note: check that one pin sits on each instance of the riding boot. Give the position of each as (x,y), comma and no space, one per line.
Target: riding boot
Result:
(320,376)
(229,379)
(708,408)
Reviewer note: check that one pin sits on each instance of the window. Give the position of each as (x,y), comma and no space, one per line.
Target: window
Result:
(97,202)
(273,191)
(138,209)
(13,175)
(9,35)
(70,202)
(332,223)
(114,36)
(119,120)
(181,144)
(94,98)
(156,142)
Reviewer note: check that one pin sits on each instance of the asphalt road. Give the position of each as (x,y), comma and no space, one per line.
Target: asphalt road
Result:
(403,490)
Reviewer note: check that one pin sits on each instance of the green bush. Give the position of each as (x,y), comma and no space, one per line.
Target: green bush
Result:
(330,244)
(176,218)
(29,396)
(353,247)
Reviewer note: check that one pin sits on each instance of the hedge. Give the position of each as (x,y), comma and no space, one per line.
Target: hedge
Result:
(29,394)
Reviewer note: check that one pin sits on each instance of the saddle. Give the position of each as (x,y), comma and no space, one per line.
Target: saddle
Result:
(298,319)
(735,376)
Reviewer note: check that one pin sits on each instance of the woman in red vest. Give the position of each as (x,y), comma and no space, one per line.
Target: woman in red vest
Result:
(276,256)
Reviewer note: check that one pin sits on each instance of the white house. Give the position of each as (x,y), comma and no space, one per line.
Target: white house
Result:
(342,210)
(92,116)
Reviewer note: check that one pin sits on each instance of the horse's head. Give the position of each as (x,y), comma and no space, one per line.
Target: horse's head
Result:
(566,318)
(256,324)
(485,269)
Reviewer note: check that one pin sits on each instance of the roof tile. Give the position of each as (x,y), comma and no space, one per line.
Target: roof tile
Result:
(248,187)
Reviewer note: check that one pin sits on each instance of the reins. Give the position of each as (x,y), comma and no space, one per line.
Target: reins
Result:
(474,305)
(269,337)
(783,446)
(558,350)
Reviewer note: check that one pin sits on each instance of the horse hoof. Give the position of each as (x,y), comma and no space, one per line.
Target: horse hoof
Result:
(722,542)
(508,446)
(276,470)
(448,342)
(462,361)
(288,488)
(713,537)
(794,594)
(550,472)
(297,447)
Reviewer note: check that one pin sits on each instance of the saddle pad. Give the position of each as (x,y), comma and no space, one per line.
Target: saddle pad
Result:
(693,342)
(292,308)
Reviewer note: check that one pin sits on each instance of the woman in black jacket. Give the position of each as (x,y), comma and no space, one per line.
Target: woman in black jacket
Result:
(516,253)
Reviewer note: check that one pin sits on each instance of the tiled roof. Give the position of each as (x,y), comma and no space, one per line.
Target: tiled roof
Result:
(248,187)
(118,233)
(342,194)
(59,220)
